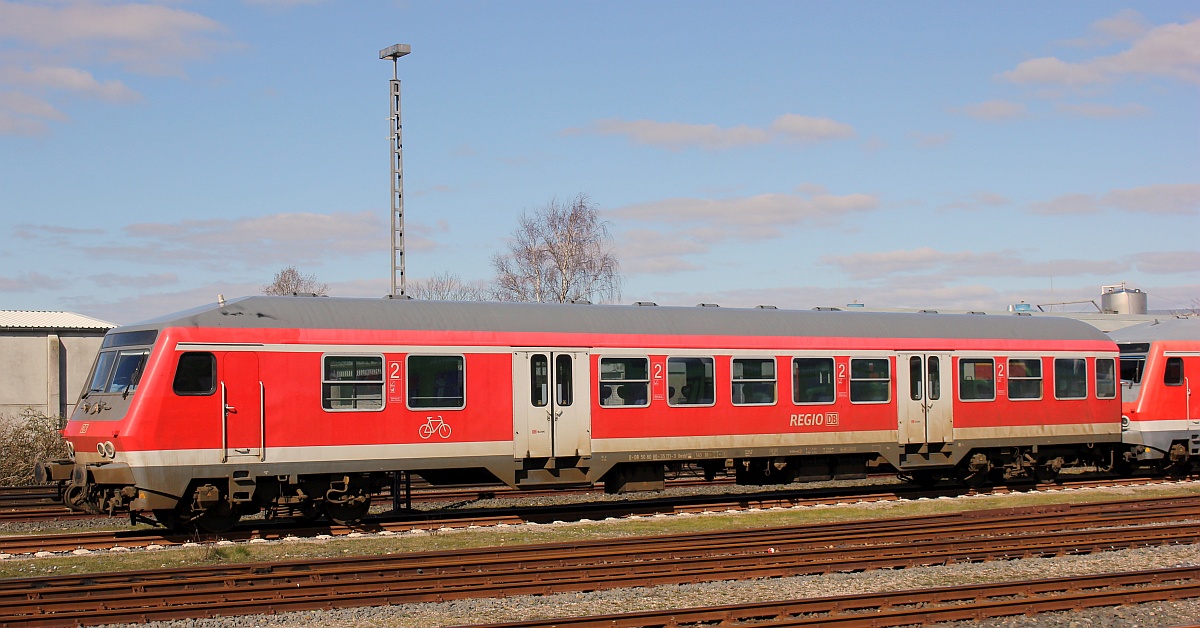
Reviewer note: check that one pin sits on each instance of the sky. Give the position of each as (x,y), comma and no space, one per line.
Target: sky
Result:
(938,155)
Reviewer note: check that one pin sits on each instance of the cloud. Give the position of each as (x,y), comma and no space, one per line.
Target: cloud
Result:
(978,201)
(30,282)
(958,265)
(1170,51)
(1098,110)
(1164,199)
(142,38)
(73,80)
(930,140)
(1168,262)
(788,128)
(1124,26)
(154,280)
(751,217)
(800,128)
(993,110)
(649,252)
(51,50)
(672,230)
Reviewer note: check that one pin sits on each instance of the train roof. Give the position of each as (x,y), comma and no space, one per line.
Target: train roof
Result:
(406,314)
(1165,329)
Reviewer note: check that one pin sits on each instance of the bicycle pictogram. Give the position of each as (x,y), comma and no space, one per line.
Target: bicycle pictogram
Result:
(431,425)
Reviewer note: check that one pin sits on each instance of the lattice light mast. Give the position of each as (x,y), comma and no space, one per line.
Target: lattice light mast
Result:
(394,53)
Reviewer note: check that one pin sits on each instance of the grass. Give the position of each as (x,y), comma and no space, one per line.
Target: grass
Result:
(456,540)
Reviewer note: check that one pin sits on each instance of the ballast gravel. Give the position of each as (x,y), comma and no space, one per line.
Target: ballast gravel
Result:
(488,611)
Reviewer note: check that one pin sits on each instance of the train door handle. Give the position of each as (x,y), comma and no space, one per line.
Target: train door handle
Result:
(230,410)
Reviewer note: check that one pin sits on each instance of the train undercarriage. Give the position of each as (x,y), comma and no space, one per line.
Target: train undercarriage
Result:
(217,504)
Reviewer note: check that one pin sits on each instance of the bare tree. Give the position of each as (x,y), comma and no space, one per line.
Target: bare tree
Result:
(560,253)
(289,281)
(447,287)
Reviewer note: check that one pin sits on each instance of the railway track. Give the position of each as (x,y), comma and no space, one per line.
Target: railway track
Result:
(917,606)
(594,565)
(437,519)
(23,504)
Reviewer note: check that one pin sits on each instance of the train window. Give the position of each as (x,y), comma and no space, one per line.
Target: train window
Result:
(690,382)
(127,371)
(1024,378)
(870,380)
(976,379)
(1070,378)
(935,378)
(624,381)
(100,373)
(563,379)
(1132,367)
(1106,381)
(352,382)
(915,372)
(1173,375)
(812,380)
(195,374)
(436,381)
(539,374)
(753,382)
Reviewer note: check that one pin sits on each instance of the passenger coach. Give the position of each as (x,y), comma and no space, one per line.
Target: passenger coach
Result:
(309,405)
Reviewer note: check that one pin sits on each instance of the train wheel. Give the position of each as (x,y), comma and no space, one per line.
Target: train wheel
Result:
(169,519)
(218,518)
(75,497)
(348,512)
(925,479)
(1046,474)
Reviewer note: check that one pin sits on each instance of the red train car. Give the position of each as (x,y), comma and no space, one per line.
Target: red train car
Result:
(1161,416)
(309,405)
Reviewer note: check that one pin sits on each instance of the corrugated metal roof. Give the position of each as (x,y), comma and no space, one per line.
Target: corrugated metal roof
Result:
(20,319)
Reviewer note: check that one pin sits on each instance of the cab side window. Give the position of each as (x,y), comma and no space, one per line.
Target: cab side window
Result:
(1173,375)
(195,374)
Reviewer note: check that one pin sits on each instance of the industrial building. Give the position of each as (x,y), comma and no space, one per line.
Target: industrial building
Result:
(45,358)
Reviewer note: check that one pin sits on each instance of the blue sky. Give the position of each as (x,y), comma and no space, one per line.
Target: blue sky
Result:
(920,154)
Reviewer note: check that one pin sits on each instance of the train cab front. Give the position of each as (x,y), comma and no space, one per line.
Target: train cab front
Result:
(97,477)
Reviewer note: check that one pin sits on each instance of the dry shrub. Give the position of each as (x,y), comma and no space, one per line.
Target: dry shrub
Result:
(24,440)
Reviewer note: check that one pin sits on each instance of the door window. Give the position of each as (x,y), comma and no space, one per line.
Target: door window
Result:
(563,367)
(539,375)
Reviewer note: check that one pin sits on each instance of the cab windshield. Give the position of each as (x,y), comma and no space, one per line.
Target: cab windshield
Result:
(120,363)
(118,371)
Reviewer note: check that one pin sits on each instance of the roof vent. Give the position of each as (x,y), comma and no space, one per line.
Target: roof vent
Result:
(1022,314)
(404,297)
(645,303)
(979,313)
(581,302)
(926,311)
(765,307)
(827,309)
(707,305)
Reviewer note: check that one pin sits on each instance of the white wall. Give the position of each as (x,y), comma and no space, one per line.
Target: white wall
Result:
(30,377)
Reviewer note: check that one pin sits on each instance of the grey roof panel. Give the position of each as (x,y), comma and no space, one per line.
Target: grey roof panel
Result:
(1165,329)
(384,314)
